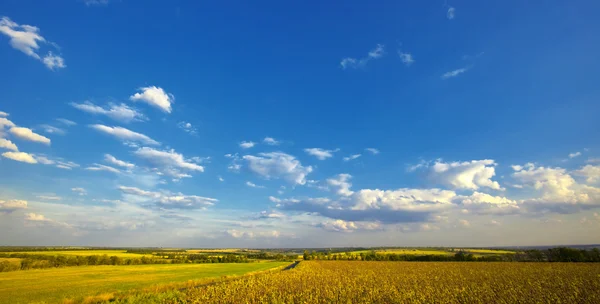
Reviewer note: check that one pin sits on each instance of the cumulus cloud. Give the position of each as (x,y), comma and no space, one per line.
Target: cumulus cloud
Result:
(558,189)
(354,63)
(483,203)
(168,200)
(3,114)
(4,122)
(79,190)
(169,162)
(26,38)
(338,225)
(462,175)
(253,185)
(278,165)
(341,184)
(54,61)
(454,73)
(271,141)
(29,135)
(99,167)
(351,157)
(156,97)
(406,58)
(119,112)
(247,144)
(125,134)
(8,145)
(9,206)
(20,157)
(114,161)
(187,127)
(320,154)
(591,173)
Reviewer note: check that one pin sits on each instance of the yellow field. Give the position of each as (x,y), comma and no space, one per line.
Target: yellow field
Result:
(402,282)
(489,251)
(119,253)
(12,260)
(54,285)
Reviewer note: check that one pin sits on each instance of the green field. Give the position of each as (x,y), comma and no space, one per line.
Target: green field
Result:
(55,285)
(119,253)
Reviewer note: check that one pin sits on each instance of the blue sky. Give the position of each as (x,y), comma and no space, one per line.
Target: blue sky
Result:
(299,124)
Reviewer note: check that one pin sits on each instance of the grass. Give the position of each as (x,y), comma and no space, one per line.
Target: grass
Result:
(119,253)
(55,285)
(12,260)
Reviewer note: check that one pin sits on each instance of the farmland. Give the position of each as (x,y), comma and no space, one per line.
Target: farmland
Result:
(403,282)
(118,253)
(54,285)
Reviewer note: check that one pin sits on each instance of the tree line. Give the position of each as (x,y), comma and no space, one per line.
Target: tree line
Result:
(561,254)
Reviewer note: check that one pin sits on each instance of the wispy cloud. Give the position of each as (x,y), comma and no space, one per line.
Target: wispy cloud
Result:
(320,154)
(354,63)
(114,161)
(372,151)
(66,121)
(271,141)
(351,157)
(99,167)
(122,112)
(253,185)
(454,73)
(168,162)
(278,165)
(247,144)
(53,130)
(125,134)
(451,13)
(187,127)
(574,154)
(79,191)
(406,58)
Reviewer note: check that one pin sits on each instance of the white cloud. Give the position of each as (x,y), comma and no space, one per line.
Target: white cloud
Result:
(574,154)
(66,121)
(187,127)
(320,154)
(278,165)
(403,199)
(454,73)
(339,226)
(54,61)
(341,184)
(354,63)
(270,215)
(352,157)
(122,112)
(168,200)
(465,175)
(125,134)
(9,206)
(373,151)
(221,179)
(8,145)
(99,167)
(406,58)
(464,223)
(253,235)
(451,12)
(25,38)
(271,141)
(58,162)
(168,162)
(593,161)
(79,190)
(591,173)
(95,2)
(28,134)
(49,197)
(4,122)
(253,185)
(3,114)
(483,203)
(41,219)
(20,156)
(53,130)
(114,161)
(156,97)
(247,144)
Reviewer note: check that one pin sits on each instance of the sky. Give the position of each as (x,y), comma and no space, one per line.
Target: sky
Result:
(299,124)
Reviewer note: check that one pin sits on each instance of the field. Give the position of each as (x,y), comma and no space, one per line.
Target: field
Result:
(119,253)
(54,285)
(401,282)
(489,251)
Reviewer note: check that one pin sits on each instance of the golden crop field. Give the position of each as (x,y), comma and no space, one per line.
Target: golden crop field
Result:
(402,282)
(405,251)
(119,253)
(489,251)
(56,284)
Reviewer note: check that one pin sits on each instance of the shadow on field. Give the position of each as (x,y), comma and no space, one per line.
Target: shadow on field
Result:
(291,266)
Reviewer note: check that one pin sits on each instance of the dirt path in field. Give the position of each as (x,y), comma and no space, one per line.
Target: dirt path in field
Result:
(291,266)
